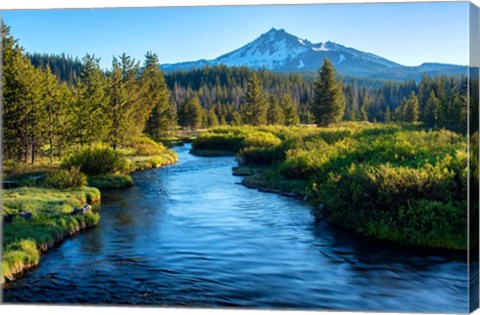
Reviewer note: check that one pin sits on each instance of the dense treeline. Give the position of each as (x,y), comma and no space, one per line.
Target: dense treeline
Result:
(221,92)
(65,68)
(42,114)
(52,102)
(438,102)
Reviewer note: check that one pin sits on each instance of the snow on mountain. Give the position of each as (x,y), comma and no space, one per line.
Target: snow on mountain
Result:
(278,50)
(271,50)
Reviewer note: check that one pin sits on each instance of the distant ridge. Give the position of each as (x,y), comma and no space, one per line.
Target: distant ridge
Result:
(280,51)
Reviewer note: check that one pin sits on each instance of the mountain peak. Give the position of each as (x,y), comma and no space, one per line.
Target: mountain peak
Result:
(275,30)
(279,50)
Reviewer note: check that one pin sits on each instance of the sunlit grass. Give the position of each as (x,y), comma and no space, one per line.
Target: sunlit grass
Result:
(396,182)
(23,240)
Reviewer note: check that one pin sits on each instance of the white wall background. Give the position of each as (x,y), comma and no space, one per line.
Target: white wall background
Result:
(63,310)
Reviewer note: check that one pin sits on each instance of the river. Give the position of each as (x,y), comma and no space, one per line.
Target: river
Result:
(189,234)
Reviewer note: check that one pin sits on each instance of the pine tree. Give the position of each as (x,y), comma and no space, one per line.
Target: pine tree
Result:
(363,116)
(388,115)
(254,112)
(124,102)
(55,98)
(290,110)
(212,119)
(459,106)
(90,118)
(35,120)
(432,108)
(275,113)
(365,105)
(182,115)
(328,104)
(236,119)
(161,113)
(351,107)
(411,108)
(22,109)
(14,86)
(194,113)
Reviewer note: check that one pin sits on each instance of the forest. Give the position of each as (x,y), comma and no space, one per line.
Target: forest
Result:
(59,101)
(384,159)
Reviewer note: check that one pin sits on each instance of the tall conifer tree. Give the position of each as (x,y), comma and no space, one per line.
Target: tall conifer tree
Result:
(328,104)
(254,112)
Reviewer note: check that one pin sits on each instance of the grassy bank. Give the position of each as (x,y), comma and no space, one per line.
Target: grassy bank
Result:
(107,168)
(38,214)
(24,239)
(391,182)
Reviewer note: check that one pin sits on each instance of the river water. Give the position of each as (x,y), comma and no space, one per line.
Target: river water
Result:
(188,234)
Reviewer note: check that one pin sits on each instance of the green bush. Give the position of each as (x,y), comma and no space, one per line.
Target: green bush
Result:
(261,140)
(110,181)
(388,181)
(145,146)
(98,160)
(229,142)
(259,155)
(62,179)
(422,207)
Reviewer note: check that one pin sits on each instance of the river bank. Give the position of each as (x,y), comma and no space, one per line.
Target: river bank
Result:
(189,235)
(391,182)
(36,219)
(37,216)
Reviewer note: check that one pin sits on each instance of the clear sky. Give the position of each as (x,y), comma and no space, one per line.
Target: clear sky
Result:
(407,33)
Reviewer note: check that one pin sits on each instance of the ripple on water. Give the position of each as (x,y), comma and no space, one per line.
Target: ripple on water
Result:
(188,234)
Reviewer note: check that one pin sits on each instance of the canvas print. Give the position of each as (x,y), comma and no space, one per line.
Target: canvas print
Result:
(295,157)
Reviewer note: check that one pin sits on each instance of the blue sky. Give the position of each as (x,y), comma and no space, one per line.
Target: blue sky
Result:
(407,33)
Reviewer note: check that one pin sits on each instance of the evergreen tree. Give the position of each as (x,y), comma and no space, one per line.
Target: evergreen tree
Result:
(290,110)
(410,108)
(388,115)
(160,112)
(351,109)
(275,114)
(328,104)
(254,112)
(432,108)
(212,119)
(13,86)
(194,113)
(22,109)
(124,102)
(55,98)
(90,118)
(236,119)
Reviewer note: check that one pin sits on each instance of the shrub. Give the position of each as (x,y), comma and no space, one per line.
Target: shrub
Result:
(259,155)
(98,161)
(388,181)
(62,179)
(110,181)
(145,146)
(229,142)
(261,139)
(424,206)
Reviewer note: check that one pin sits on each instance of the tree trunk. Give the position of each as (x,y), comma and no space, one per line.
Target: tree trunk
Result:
(51,132)
(33,148)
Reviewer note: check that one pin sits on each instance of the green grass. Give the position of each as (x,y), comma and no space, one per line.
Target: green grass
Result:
(147,162)
(24,240)
(110,181)
(211,153)
(387,181)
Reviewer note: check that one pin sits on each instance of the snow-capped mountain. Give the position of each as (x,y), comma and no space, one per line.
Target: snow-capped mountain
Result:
(278,50)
